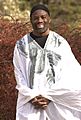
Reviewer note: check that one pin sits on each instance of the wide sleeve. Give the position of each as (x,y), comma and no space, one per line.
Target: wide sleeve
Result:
(21,71)
(67,91)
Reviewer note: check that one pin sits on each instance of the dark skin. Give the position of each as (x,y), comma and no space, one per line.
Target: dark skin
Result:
(40,102)
(40,22)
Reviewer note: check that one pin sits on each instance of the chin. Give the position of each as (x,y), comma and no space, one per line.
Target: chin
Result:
(41,30)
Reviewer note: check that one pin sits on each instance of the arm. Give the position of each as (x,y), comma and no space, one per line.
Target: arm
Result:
(22,84)
(67,91)
(21,79)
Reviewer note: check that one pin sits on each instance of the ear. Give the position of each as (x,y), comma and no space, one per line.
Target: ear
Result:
(31,19)
(49,20)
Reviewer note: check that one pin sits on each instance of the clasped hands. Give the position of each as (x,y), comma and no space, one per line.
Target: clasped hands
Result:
(40,102)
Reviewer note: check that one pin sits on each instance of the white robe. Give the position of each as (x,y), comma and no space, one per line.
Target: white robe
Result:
(63,87)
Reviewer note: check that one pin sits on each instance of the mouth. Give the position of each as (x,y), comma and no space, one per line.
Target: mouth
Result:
(39,25)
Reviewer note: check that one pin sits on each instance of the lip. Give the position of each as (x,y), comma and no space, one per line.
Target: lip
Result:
(40,25)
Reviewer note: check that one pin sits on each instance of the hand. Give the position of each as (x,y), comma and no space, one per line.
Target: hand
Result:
(40,102)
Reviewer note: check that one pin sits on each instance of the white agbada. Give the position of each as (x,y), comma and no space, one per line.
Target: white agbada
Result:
(52,72)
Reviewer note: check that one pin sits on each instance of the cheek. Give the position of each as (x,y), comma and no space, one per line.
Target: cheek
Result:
(47,23)
(34,25)
(34,22)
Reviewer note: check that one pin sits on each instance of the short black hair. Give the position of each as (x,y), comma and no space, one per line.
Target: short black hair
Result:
(39,7)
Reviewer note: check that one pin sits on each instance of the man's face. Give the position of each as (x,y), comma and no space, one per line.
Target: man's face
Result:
(40,21)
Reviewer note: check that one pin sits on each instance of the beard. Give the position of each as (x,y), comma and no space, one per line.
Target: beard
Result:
(40,29)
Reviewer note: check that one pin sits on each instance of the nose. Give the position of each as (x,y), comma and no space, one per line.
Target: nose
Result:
(40,19)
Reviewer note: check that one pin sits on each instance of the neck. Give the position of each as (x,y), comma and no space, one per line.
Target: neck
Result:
(41,34)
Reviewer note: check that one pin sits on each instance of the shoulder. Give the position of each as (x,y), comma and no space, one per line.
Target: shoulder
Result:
(22,45)
(22,40)
(58,36)
(59,39)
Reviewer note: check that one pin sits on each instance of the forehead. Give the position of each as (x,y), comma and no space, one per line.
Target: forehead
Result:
(39,12)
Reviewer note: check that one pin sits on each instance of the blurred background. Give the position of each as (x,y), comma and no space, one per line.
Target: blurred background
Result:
(15,23)
(61,10)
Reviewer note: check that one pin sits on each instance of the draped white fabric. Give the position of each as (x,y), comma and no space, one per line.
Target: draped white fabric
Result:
(56,75)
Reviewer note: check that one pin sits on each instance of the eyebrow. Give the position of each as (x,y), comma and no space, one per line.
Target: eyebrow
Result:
(40,15)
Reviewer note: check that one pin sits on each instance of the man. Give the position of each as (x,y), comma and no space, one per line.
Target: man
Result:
(47,73)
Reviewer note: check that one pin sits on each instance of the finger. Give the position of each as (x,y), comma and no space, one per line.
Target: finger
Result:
(44,106)
(34,100)
(39,97)
(40,106)
(37,107)
(42,102)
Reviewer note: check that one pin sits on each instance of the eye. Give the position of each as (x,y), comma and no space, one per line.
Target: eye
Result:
(43,17)
(35,18)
